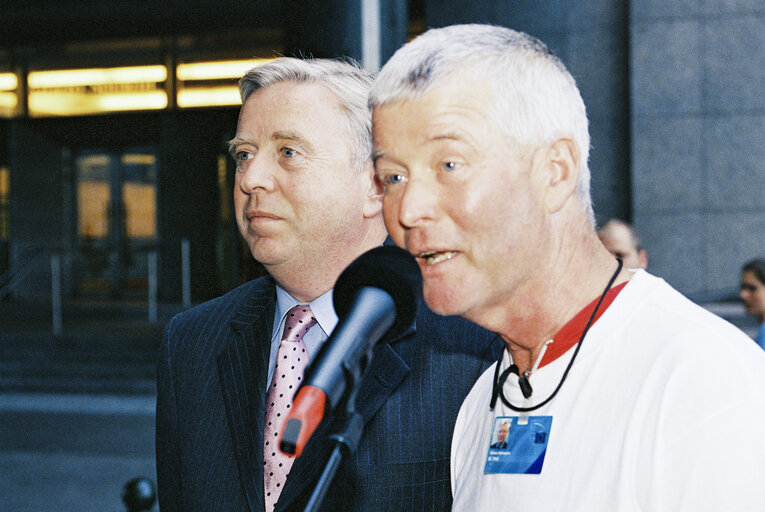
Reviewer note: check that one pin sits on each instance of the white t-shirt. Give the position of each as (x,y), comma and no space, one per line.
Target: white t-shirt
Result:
(663,410)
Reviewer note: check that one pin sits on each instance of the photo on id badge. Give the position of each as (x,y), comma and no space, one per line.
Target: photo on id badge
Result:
(518,445)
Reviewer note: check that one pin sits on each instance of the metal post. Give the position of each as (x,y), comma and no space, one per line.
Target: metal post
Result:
(55,288)
(186,272)
(370,35)
(153,286)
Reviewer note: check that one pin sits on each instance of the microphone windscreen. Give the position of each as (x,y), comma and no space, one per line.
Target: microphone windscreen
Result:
(388,268)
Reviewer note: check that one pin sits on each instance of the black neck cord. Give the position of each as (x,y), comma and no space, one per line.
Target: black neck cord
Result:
(499,380)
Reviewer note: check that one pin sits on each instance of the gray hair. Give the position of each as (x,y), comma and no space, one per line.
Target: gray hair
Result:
(345,79)
(538,98)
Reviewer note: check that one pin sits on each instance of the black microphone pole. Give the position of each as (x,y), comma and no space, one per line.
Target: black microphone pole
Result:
(348,434)
(346,441)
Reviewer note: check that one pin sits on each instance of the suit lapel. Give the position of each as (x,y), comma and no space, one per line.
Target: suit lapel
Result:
(243,370)
(386,371)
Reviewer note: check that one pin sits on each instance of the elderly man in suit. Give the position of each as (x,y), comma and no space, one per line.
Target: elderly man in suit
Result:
(307,204)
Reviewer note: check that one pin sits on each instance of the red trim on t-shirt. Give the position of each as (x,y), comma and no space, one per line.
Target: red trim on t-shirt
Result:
(569,334)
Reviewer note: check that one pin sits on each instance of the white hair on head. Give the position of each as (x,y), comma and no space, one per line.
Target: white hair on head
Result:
(345,79)
(537,98)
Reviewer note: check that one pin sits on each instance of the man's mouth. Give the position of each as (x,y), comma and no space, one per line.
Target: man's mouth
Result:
(260,215)
(433,257)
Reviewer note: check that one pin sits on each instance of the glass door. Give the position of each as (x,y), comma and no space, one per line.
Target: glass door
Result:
(116,220)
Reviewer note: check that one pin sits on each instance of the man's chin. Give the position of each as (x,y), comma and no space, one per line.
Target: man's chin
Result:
(267,253)
(442,301)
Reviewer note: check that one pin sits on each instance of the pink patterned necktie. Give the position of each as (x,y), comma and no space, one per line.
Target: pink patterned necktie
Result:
(290,363)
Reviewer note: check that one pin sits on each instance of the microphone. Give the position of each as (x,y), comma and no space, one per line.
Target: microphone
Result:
(374,296)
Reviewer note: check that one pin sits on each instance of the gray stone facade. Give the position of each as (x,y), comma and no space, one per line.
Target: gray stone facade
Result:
(697,98)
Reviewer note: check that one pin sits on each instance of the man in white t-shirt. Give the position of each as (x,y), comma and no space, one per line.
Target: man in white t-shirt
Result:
(619,393)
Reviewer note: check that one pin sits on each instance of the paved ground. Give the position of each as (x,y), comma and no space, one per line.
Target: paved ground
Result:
(76,410)
(73,452)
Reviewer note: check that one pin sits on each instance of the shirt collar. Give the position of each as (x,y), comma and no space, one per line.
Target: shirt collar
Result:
(570,334)
(321,306)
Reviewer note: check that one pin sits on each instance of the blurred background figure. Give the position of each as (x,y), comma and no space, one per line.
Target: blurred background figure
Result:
(753,294)
(622,241)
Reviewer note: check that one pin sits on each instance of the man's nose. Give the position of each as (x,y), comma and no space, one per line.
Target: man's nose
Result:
(256,173)
(419,201)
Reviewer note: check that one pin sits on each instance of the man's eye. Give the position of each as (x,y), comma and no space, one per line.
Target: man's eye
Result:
(394,178)
(449,166)
(242,155)
(288,152)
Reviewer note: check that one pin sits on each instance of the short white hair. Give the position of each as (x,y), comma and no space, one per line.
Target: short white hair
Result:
(538,100)
(345,79)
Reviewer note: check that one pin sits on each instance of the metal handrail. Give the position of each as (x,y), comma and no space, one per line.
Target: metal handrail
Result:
(14,275)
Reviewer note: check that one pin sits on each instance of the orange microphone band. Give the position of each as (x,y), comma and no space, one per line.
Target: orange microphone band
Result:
(307,412)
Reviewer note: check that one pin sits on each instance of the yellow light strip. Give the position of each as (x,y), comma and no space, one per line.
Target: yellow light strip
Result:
(8,81)
(209,97)
(93,161)
(217,70)
(55,103)
(154,100)
(97,76)
(138,159)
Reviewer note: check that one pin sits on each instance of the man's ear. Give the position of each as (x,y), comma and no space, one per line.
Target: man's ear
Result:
(643,258)
(562,166)
(374,195)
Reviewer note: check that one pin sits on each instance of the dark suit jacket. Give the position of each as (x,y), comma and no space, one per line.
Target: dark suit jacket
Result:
(212,375)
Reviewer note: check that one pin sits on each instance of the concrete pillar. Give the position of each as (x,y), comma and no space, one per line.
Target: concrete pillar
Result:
(697,74)
(188,201)
(37,204)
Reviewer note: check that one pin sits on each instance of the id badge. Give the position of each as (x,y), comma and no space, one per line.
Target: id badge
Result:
(518,447)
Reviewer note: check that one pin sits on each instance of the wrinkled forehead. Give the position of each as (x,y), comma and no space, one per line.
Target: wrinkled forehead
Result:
(457,110)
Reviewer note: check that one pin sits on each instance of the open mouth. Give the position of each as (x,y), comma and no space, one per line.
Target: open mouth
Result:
(433,257)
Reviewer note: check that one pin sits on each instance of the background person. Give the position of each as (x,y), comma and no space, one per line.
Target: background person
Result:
(481,144)
(753,294)
(307,205)
(622,241)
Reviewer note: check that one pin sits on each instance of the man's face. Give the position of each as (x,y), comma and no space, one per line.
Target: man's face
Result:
(298,198)
(753,294)
(460,196)
(618,241)
(502,432)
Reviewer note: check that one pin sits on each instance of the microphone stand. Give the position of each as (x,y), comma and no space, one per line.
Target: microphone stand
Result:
(346,439)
